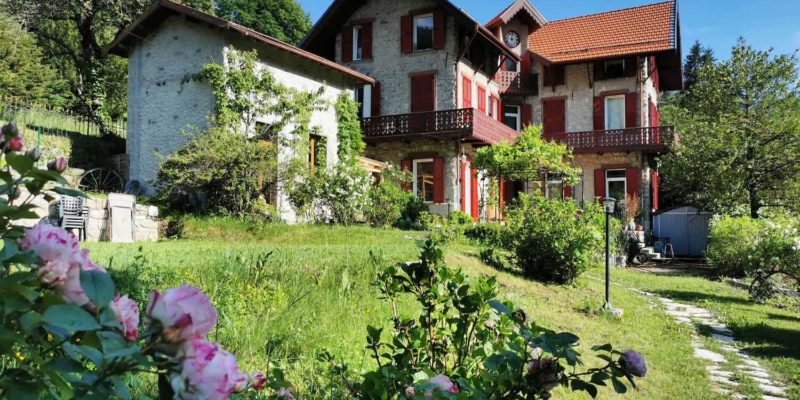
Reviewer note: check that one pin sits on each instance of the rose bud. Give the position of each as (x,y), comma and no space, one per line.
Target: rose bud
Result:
(257,380)
(633,363)
(15,144)
(34,154)
(58,165)
(10,130)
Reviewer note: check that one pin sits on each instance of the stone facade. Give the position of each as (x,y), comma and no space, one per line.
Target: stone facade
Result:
(146,221)
(165,103)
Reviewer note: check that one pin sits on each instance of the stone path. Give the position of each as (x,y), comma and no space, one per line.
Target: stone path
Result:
(719,368)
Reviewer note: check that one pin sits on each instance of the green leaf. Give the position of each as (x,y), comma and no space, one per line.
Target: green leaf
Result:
(619,387)
(47,176)
(10,249)
(30,321)
(20,162)
(69,192)
(70,318)
(98,286)
(603,347)
(64,365)
(78,351)
(500,307)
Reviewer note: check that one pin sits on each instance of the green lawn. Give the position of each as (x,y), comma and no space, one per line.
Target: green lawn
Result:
(314,293)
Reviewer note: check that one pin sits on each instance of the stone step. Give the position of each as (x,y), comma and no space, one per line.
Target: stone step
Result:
(772,390)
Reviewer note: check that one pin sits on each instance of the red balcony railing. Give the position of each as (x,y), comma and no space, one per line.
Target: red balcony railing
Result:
(511,82)
(647,139)
(468,123)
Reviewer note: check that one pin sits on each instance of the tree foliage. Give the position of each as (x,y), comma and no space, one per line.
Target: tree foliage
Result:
(740,134)
(527,158)
(697,58)
(351,141)
(284,20)
(23,73)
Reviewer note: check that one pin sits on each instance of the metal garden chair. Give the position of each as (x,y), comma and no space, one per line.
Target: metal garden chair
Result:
(73,214)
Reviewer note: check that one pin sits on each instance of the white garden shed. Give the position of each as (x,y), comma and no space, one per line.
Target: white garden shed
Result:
(685,227)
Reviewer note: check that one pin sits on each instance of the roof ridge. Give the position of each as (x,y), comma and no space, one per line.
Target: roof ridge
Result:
(611,11)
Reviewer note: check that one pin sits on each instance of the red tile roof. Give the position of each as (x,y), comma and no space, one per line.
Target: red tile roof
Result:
(646,29)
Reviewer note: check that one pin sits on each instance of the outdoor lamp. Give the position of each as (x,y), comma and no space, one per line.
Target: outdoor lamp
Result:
(609,204)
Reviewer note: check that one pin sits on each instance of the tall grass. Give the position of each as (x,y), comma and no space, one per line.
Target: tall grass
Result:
(54,122)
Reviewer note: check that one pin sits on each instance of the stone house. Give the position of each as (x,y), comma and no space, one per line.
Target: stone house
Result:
(434,100)
(444,81)
(170,43)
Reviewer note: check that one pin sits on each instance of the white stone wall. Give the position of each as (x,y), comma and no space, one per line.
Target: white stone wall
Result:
(392,68)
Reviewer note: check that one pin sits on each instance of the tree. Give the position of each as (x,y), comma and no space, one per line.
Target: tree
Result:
(23,74)
(73,33)
(697,58)
(740,134)
(284,20)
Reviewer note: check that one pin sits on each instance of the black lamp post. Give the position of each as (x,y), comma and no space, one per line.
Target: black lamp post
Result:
(609,204)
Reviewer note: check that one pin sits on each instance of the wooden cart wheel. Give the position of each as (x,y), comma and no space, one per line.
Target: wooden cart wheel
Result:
(100,180)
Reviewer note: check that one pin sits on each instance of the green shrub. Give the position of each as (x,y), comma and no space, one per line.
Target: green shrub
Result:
(460,218)
(730,244)
(490,234)
(388,200)
(553,240)
(338,194)
(218,172)
(412,212)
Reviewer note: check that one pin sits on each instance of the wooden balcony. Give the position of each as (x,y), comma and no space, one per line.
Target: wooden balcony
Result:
(467,124)
(517,83)
(647,139)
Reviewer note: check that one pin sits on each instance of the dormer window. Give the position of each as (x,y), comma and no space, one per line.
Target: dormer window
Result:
(613,69)
(423,32)
(358,43)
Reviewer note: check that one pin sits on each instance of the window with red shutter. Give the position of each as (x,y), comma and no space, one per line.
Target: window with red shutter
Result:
(466,93)
(600,183)
(406,34)
(376,99)
(554,118)
(366,41)
(423,92)
(632,176)
(598,111)
(438,180)
(554,75)
(474,193)
(631,110)
(481,99)
(439,29)
(347,43)
(527,115)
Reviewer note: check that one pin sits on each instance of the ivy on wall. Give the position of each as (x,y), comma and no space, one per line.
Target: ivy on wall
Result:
(351,142)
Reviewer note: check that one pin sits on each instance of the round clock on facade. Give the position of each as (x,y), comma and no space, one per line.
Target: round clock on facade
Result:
(512,39)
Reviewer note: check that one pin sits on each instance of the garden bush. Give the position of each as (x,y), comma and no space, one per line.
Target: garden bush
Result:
(337,194)
(490,234)
(554,240)
(464,343)
(218,172)
(388,200)
(730,244)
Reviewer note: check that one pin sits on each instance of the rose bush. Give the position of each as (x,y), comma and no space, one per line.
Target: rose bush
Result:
(467,344)
(66,332)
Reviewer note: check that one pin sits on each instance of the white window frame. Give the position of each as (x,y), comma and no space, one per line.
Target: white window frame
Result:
(366,102)
(414,27)
(608,114)
(518,115)
(416,180)
(358,52)
(554,182)
(623,179)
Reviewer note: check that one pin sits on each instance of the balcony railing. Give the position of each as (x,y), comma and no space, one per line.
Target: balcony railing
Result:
(647,139)
(511,82)
(468,123)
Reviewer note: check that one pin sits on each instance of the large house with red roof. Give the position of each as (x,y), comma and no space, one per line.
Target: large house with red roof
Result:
(446,85)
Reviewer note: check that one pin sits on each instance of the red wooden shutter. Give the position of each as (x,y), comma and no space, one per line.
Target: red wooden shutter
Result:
(554,116)
(407,165)
(567,191)
(599,70)
(527,115)
(439,28)
(474,192)
(600,183)
(525,65)
(632,176)
(366,41)
(423,93)
(631,110)
(466,93)
(654,182)
(653,113)
(464,179)
(347,43)
(499,103)
(406,34)
(599,113)
(481,99)
(438,180)
(631,66)
(376,99)
(508,192)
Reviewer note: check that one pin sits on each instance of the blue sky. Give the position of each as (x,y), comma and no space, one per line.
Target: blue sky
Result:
(716,23)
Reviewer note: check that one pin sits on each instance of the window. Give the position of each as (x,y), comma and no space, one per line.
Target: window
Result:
(615,184)
(423,32)
(511,65)
(363,96)
(615,112)
(614,69)
(423,179)
(358,52)
(317,149)
(511,117)
(554,189)
(359,98)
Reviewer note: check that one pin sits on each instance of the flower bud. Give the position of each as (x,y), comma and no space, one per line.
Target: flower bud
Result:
(633,363)
(10,130)
(58,165)
(34,154)
(15,144)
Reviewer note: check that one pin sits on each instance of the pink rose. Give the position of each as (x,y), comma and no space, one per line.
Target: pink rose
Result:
(127,313)
(71,291)
(55,246)
(257,380)
(15,144)
(442,383)
(207,372)
(183,312)
(58,165)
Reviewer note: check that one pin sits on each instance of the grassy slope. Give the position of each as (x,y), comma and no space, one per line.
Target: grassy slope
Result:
(314,293)
(768,332)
